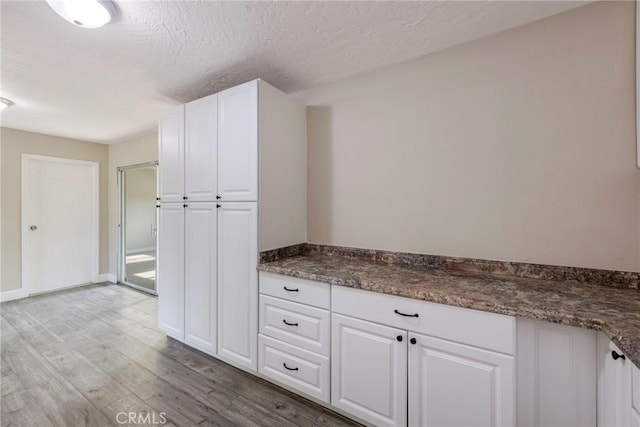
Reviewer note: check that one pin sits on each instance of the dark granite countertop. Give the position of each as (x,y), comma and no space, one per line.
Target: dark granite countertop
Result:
(613,310)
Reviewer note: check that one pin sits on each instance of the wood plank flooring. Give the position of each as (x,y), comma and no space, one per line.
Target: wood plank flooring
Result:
(82,356)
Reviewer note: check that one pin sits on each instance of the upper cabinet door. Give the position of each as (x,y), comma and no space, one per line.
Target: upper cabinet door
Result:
(201,145)
(171,155)
(238,143)
(452,384)
(369,370)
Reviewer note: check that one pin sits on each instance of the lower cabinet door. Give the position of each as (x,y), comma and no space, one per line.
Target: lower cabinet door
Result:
(369,371)
(200,276)
(556,381)
(238,284)
(614,384)
(635,396)
(453,384)
(170,265)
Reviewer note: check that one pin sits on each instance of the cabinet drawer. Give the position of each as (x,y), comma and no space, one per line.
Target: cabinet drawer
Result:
(477,328)
(297,324)
(293,289)
(294,367)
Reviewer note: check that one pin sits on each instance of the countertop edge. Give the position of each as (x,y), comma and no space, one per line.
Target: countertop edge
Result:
(460,301)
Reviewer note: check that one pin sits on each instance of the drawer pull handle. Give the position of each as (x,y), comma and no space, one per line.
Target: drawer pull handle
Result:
(291,290)
(289,324)
(404,314)
(617,355)
(288,368)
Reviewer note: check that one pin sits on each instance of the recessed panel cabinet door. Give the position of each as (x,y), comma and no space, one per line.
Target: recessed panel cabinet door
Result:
(171,155)
(556,381)
(238,284)
(170,270)
(200,276)
(201,147)
(369,371)
(238,143)
(452,384)
(614,385)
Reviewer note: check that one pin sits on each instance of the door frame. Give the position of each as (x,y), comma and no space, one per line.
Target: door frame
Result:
(122,225)
(27,160)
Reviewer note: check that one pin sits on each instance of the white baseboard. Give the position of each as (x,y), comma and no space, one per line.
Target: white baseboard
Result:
(106,277)
(14,294)
(141,250)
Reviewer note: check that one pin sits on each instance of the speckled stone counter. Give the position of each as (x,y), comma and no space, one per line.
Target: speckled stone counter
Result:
(613,309)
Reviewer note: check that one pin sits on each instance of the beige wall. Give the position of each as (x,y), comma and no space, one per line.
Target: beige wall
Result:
(127,153)
(520,146)
(13,143)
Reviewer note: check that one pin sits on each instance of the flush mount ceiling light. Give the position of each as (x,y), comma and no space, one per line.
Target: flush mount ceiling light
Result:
(85,13)
(5,103)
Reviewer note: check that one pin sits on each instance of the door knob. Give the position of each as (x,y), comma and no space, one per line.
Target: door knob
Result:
(33,227)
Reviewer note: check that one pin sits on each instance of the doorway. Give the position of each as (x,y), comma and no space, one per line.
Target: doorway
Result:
(137,186)
(59,223)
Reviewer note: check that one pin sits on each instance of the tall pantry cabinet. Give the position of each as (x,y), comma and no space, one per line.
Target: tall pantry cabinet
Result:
(232,183)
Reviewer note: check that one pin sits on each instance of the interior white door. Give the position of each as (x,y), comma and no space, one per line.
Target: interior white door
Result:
(60,223)
(171,156)
(200,276)
(201,149)
(453,384)
(238,284)
(170,271)
(369,370)
(238,143)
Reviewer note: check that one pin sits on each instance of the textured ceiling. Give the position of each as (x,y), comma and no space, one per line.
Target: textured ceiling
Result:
(112,83)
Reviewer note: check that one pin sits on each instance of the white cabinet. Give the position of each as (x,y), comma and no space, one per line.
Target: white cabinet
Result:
(187,152)
(452,384)
(170,269)
(200,279)
(238,143)
(238,283)
(556,375)
(635,396)
(171,155)
(212,153)
(201,149)
(294,343)
(618,387)
(456,368)
(369,372)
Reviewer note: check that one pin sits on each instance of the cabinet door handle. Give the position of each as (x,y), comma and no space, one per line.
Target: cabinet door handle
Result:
(413,341)
(291,290)
(218,197)
(288,368)
(218,206)
(399,338)
(405,315)
(185,205)
(184,198)
(617,355)
(289,324)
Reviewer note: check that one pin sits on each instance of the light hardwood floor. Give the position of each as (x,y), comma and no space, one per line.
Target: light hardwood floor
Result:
(81,356)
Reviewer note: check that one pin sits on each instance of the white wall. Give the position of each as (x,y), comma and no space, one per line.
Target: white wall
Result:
(519,146)
(127,153)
